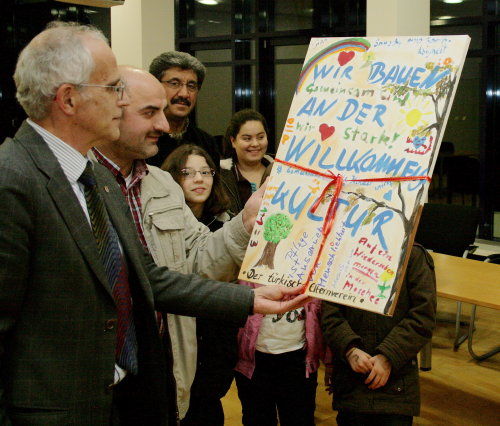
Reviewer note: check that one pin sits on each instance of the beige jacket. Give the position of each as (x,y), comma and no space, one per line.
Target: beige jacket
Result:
(179,241)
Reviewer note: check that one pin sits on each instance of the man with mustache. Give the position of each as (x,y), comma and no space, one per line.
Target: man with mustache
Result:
(165,224)
(181,75)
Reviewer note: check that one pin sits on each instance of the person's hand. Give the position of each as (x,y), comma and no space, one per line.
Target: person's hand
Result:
(328,379)
(359,360)
(278,299)
(252,207)
(380,372)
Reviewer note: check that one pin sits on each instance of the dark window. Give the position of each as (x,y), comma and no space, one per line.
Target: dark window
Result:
(265,42)
(20,21)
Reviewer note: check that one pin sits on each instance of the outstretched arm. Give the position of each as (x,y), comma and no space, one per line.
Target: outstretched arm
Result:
(278,299)
(252,207)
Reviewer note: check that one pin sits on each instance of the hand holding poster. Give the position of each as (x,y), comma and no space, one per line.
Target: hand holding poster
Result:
(353,166)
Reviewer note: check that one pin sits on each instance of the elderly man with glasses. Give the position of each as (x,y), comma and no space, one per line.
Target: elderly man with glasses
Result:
(79,343)
(182,76)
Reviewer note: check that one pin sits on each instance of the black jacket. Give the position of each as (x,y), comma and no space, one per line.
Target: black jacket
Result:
(216,358)
(236,186)
(194,135)
(399,338)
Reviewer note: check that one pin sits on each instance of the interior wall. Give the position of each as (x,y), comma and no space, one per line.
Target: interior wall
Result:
(126,29)
(215,97)
(397,17)
(141,30)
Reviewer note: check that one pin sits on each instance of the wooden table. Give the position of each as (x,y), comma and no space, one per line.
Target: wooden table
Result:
(470,281)
(467,280)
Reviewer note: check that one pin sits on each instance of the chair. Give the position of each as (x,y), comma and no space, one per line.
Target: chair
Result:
(493,258)
(446,149)
(449,229)
(462,177)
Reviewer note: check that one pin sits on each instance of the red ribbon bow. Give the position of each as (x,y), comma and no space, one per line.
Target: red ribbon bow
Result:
(338,181)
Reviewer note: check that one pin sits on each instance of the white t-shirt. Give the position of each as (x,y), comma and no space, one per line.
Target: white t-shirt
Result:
(280,333)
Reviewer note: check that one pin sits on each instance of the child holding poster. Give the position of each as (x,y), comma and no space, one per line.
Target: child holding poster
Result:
(279,356)
(374,377)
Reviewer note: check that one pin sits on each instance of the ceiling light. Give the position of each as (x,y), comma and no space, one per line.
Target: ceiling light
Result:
(208,2)
(453,1)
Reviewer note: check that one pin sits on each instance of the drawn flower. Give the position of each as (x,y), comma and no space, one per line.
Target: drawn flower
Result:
(387,275)
(369,55)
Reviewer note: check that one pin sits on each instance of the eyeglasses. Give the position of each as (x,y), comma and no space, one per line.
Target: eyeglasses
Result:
(191,173)
(191,86)
(118,88)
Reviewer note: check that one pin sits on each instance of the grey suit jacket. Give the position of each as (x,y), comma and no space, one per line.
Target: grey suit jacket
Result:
(57,314)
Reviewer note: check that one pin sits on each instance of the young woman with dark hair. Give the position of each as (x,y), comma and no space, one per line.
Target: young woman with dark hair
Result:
(278,355)
(246,165)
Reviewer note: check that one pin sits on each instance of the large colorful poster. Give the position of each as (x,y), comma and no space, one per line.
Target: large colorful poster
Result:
(353,167)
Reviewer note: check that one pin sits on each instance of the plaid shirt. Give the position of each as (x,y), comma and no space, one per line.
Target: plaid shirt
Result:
(132,191)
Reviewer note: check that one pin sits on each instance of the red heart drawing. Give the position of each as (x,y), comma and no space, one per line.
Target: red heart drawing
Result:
(326,131)
(345,57)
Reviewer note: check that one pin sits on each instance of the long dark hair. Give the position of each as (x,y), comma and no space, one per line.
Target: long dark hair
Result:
(237,120)
(218,200)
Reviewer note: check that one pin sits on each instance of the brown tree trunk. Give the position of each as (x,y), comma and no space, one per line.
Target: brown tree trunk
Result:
(267,258)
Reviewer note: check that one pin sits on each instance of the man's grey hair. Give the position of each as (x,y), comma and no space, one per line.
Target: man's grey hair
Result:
(181,60)
(55,56)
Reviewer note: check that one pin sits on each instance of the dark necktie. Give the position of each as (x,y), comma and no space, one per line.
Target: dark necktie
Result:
(114,265)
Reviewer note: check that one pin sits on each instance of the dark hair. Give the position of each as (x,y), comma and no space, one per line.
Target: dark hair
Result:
(218,200)
(182,60)
(237,120)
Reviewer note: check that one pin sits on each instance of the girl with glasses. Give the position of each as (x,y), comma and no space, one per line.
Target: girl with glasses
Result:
(194,171)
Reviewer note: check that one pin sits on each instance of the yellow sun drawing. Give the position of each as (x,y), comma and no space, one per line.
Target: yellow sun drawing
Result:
(413,116)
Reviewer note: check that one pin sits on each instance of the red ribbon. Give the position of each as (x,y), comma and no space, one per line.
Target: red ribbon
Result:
(337,180)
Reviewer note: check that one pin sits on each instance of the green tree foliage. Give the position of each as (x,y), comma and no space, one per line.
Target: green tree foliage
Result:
(277,227)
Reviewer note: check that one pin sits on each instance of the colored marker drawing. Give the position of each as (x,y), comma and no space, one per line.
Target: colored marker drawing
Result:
(353,167)
(276,228)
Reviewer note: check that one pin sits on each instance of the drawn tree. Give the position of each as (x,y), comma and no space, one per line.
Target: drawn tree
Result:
(276,228)
(401,212)
(440,95)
